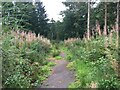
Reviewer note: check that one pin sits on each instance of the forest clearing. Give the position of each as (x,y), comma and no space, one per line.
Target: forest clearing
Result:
(80,51)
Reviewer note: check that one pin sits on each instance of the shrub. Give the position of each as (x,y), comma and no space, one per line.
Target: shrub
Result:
(111,83)
(24,63)
(92,63)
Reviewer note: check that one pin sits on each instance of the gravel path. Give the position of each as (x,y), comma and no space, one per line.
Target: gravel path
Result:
(61,77)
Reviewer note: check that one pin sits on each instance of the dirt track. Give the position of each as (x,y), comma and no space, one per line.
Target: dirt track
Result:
(61,76)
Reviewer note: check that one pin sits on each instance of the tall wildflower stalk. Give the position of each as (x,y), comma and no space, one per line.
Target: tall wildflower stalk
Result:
(28,37)
(110,37)
(98,28)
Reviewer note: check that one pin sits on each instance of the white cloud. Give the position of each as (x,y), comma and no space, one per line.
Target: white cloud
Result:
(53,8)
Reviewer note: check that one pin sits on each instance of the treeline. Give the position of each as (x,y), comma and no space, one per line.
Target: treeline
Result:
(26,16)
(76,18)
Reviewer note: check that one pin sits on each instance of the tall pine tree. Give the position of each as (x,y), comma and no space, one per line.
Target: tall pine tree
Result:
(25,16)
(39,19)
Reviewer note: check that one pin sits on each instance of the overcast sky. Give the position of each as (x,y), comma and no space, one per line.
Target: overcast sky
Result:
(53,8)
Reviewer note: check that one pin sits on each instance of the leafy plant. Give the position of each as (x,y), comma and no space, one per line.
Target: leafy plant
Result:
(92,63)
(111,83)
(24,66)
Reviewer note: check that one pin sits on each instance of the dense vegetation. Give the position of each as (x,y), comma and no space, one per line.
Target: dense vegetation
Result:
(92,49)
(95,65)
(24,59)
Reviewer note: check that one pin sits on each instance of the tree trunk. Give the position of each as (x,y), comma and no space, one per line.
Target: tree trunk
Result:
(117,25)
(88,21)
(118,38)
(105,26)
(105,21)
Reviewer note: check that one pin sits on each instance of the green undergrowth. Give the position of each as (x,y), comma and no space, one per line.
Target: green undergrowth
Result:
(24,65)
(58,57)
(57,49)
(92,64)
(55,52)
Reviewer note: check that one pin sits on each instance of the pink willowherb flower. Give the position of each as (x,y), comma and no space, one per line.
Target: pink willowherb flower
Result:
(110,37)
(29,37)
(105,31)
